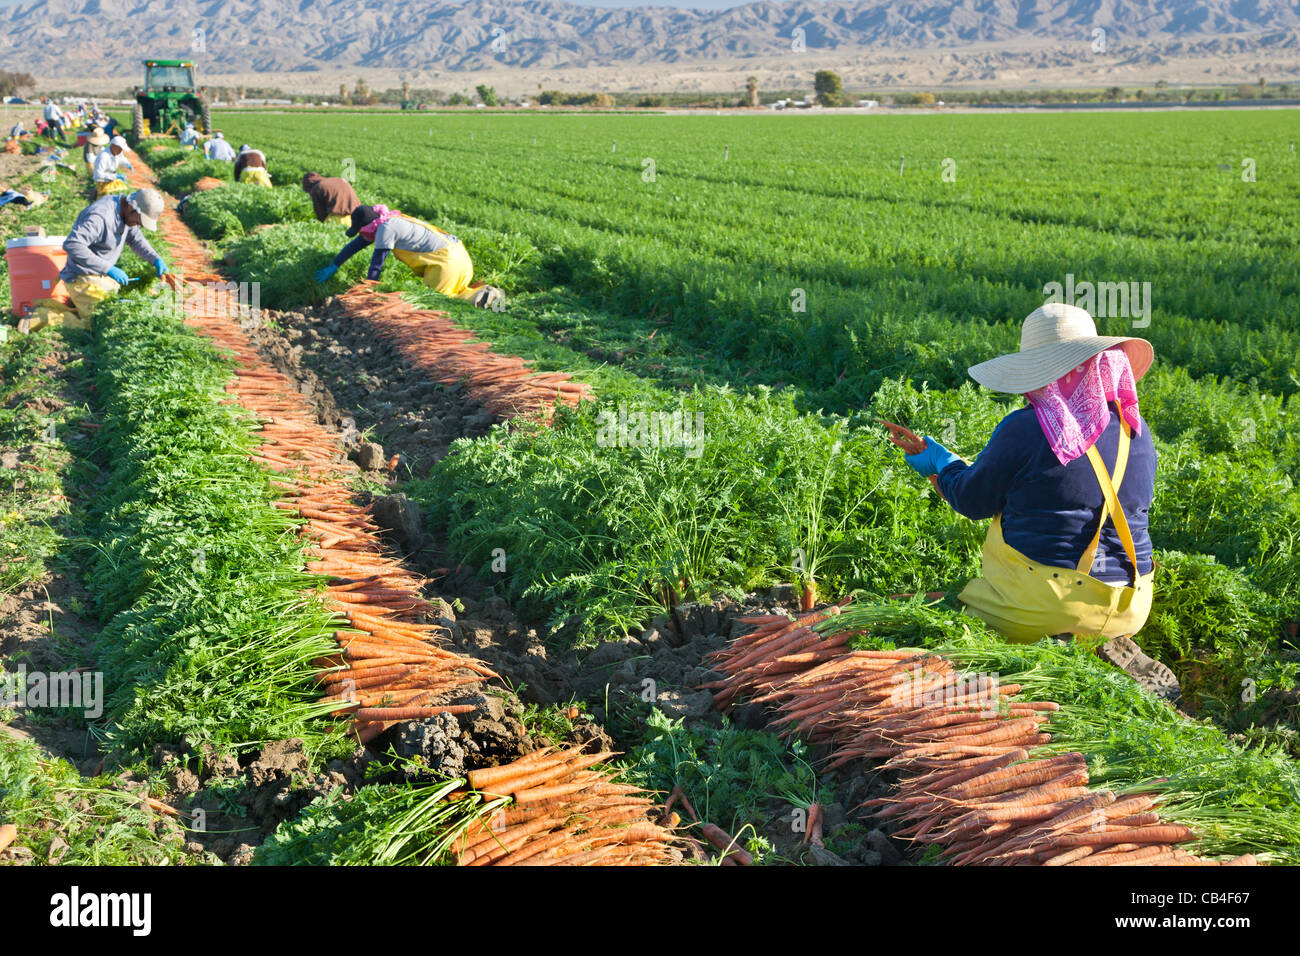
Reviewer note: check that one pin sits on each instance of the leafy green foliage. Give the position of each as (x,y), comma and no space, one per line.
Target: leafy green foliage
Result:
(727,773)
(239,208)
(379,825)
(209,638)
(64,819)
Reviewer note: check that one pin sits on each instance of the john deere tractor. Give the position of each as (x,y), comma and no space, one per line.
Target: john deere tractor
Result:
(168,100)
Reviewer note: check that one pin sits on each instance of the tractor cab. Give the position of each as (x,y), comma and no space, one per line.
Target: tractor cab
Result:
(168,100)
(168,77)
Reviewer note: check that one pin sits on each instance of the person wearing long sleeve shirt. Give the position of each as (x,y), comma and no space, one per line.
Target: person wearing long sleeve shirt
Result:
(250,167)
(438,258)
(54,121)
(332,197)
(218,148)
(189,136)
(106,170)
(1068,482)
(95,242)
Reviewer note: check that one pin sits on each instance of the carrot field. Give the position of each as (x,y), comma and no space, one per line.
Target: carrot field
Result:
(627,570)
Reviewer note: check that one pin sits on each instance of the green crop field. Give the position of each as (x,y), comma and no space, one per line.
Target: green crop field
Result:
(788,277)
(772,286)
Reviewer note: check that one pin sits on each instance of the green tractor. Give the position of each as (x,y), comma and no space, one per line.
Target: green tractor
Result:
(168,100)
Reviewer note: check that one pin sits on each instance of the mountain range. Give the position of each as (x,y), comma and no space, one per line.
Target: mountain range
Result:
(110,37)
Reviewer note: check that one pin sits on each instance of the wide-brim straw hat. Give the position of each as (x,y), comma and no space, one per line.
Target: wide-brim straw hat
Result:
(98,138)
(1054,339)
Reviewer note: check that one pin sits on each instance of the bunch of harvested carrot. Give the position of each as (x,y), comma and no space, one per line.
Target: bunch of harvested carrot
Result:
(390,666)
(563,813)
(8,833)
(504,385)
(962,742)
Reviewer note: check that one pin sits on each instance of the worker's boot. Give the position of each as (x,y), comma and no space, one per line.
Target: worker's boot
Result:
(489,297)
(1154,676)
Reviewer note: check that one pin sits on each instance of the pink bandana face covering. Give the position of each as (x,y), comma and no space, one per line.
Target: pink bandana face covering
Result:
(1074,410)
(384,214)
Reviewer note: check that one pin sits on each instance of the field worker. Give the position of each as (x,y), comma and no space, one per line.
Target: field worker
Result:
(1068,481)
(106,176)
(95,243)
(95,142)
(54,120)
(332,198)
(218,148)
(18,130)
(250,167)
(189,136)
(438,258)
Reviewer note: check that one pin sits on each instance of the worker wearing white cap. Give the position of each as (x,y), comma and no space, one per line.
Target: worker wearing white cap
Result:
(106,176)
(218,148)
(189,136)
(250,167)
(95,242)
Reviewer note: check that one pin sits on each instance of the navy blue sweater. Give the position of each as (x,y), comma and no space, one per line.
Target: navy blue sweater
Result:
(1049,510)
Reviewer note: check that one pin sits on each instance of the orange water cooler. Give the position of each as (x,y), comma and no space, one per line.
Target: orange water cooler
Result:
(34,264)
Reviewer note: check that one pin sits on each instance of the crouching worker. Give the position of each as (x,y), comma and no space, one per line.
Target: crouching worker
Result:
(250,167)
(95,243)
(1068,481)
(332,197)
(107,163)
(438,258)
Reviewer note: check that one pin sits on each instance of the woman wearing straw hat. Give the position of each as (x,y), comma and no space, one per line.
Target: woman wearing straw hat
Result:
(96,141)
(1068,482)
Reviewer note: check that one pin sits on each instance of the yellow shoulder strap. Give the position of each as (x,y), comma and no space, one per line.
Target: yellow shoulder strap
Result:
(1111,507)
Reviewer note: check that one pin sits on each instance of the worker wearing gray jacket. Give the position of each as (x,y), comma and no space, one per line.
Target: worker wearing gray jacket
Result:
(95,243)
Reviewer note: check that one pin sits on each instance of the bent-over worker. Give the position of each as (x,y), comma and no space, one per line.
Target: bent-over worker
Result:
(105,170)
(332,198)
(189,136)
(95,242)
(438,258)
(1068,481)
(218,148)
(250,167)
(95,142)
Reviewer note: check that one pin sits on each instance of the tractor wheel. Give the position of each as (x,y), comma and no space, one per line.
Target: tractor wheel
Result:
(138,129)
(207,118)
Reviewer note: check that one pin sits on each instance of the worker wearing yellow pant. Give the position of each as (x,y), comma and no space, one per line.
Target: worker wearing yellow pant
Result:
(1068,552)
(93,246)
(257,175)
(438,258)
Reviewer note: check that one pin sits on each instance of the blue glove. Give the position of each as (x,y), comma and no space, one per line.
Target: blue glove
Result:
(324,274)
(126,162)
(121,178)
(160,266)
(118,276)
(932,459)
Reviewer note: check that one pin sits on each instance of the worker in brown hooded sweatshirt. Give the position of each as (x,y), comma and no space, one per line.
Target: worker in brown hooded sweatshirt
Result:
(332,198)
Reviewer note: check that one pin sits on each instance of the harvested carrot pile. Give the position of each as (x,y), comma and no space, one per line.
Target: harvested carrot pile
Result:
(963,745)
(207,182)
(390,667)
(504,385)
(562,813)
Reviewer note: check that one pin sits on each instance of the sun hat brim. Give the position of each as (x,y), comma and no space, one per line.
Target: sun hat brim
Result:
(1021,372)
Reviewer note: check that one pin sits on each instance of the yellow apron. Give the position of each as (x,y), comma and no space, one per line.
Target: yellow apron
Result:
(256,175)
(448,271)
(1026,601)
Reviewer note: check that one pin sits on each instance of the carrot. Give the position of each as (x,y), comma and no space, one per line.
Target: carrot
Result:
(728,846)
(410,713)
(8,833)
(1167,833)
